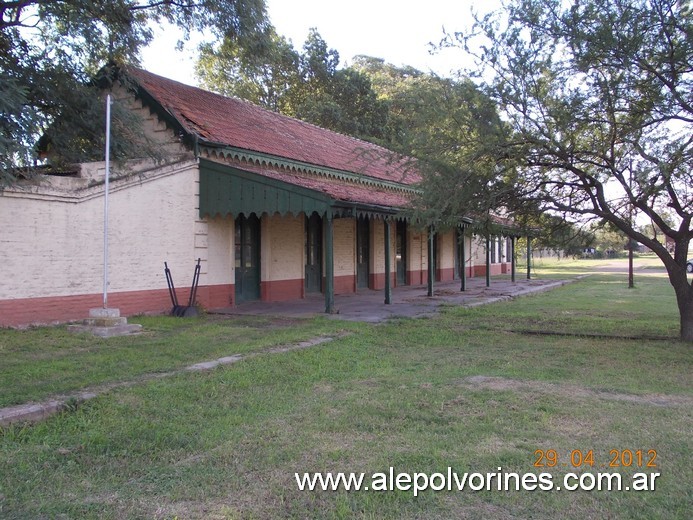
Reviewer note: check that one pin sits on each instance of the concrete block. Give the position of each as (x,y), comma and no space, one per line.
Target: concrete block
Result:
(104,313)
(105,322)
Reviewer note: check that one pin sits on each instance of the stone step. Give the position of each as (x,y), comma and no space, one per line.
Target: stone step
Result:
(105,323)
(109,331)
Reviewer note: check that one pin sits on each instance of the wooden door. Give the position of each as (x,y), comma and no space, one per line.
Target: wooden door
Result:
(456,249)
(362,252)
(313,243)
(401,253)
(247,253)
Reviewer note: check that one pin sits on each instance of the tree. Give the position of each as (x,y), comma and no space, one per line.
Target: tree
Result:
(597,99)
(406,92)
(308,85)
(51,51)
(265,73)
(609,240)
(440,121)
(557,234)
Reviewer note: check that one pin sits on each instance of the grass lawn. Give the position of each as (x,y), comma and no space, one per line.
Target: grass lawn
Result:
(40,362)
(473,389)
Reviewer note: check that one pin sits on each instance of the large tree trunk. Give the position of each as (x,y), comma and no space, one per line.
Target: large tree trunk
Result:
(684,298)
(678,278)
(686,312)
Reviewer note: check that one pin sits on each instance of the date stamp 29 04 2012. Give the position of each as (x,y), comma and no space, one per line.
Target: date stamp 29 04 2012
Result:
(616,458)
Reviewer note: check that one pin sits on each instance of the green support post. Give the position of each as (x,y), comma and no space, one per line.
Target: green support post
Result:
(329,264)
(431,267)
(529,258)
(463,263)
(388,287)
(488,261)
(512,259)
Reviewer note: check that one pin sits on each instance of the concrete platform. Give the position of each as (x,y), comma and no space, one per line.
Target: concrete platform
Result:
(105,323)
(109,331)
(407,301)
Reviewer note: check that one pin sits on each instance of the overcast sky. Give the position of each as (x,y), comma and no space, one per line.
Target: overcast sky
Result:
(399,31)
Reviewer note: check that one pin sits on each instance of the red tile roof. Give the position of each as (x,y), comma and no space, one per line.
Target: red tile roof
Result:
(336,189)
(240,124)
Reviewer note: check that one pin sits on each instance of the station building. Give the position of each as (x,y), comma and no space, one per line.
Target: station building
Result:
(275,209)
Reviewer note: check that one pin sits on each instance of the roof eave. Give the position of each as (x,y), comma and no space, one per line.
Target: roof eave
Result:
(245,154)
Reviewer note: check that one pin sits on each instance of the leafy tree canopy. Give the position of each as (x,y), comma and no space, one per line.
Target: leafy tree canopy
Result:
(50,52)
(596,96)
(555,233)
(609,240)
(440,122)
(308,85)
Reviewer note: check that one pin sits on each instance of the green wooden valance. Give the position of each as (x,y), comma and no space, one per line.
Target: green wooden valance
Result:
(225,190)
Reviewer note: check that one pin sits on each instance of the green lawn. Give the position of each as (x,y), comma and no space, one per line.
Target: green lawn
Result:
(40,362)
(473,389)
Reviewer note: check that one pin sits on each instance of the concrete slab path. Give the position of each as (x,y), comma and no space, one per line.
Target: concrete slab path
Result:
(407,301)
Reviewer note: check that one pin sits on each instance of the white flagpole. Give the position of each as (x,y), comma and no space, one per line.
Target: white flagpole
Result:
(105,203)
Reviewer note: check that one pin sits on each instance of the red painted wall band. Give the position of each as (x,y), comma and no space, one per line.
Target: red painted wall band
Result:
(56,309)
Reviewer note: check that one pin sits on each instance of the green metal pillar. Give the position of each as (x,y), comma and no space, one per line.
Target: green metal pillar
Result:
(512,259)
(463,262)
(529,258)
(388,287)
(488,261)
(431,267)
(329,264)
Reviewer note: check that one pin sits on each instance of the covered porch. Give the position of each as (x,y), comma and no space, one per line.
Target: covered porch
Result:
(250,192)
(407,301)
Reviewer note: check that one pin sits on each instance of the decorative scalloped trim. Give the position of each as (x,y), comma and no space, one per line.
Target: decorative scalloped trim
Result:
(269,161)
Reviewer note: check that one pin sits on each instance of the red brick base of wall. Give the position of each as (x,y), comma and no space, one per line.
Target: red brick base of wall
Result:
(418,277)
(377,281)
(57,309)
(445,275)
(480,270)
(343,284)
(281,290)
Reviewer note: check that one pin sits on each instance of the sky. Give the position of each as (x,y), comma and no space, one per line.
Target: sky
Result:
(399,31)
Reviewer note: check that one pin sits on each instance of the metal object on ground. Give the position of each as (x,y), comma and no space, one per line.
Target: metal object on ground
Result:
(191,310)
(183,310)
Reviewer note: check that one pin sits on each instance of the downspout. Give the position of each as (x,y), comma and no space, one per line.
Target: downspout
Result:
(196,145)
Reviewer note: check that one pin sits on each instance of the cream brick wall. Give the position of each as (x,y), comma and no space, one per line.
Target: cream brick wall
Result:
(220,250)
(282,254)
(479,249)
(344,230)
(152,127)
(52,234)
(501,249)
(417,251)
(445,254)
(377,247)
(393,247)
(468,251)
